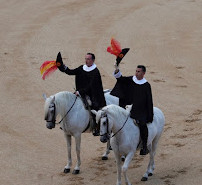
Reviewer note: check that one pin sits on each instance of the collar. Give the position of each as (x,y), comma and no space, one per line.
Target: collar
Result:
(140,82)
(88,69)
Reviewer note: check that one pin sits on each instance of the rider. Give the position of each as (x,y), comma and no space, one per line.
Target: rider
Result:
(88,84)
(136,91)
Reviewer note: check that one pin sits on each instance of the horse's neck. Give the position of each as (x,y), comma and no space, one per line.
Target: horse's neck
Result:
(64,101)
(119,125)
(125,132)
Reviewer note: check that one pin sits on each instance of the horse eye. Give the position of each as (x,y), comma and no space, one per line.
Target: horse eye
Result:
(51,106)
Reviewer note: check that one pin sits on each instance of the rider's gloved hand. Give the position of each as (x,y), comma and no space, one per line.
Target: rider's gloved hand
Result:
(62,68)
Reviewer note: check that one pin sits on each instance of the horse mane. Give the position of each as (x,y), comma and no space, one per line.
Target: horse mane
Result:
(115,110)
(62,97)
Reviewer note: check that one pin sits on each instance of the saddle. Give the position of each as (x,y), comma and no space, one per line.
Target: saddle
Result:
(87,104)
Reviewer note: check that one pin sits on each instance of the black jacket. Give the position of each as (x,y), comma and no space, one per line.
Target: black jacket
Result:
(140,96)
(89,83)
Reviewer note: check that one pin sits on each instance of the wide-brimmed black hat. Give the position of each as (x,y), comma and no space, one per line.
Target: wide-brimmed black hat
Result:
(121,55)
(59,61)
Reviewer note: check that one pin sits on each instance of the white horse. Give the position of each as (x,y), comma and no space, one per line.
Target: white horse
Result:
(126,136)
(74,120)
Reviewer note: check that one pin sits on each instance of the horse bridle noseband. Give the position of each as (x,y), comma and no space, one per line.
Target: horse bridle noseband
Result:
(53,120)
(107,122)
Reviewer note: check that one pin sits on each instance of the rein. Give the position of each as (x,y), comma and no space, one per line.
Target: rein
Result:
(67,111)
(117,131)
(121,127)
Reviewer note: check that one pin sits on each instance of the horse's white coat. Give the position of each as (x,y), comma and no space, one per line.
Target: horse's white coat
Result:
(126,140)
(75,122)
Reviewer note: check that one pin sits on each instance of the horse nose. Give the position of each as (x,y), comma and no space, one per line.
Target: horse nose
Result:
(50,125)
(103,139)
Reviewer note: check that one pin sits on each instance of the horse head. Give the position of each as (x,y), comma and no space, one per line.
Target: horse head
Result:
(102,119)
(50,112)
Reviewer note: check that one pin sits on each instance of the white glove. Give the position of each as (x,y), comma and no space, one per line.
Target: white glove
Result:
(77,93)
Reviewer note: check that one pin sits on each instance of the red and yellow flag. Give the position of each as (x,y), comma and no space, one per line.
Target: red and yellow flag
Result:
(47,68)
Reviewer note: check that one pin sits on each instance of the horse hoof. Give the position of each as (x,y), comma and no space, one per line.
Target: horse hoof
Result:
(144,179)
(104,158)
(76,172)
(150,174)
(67,170)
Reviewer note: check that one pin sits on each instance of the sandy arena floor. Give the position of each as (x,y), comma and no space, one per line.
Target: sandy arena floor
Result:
(164,35)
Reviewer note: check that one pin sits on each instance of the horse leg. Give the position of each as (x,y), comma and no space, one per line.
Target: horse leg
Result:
(118,165)
(69,161)
(78,163)
(127,161)
(152,148)
(105,155)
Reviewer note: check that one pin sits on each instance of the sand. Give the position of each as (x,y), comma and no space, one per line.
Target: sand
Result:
(164,35)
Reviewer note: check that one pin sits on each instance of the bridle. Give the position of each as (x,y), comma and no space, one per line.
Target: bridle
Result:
(52,105)
(53,118)
(107,133)
(107,122)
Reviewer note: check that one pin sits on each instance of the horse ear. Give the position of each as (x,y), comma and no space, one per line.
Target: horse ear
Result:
(53,100)
(103,113)
(128,107)
(94,112)
(44,96)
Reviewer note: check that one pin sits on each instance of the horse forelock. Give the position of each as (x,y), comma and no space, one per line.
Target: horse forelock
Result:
(99,115)
(46,106)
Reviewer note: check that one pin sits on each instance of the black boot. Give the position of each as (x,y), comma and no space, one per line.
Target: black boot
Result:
(144,136)
(144,150)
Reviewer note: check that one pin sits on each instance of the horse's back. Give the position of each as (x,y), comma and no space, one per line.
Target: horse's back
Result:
(159,114)
(110,99)
(159,118)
